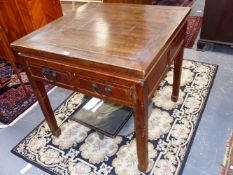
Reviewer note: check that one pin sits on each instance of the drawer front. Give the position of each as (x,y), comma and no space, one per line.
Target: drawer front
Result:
(51,75)
(105,89)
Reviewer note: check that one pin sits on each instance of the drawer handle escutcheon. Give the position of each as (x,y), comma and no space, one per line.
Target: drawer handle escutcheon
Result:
(49,74)
(108,89)
(95,87)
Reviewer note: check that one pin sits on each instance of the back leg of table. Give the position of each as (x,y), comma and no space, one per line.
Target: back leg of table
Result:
(177,75)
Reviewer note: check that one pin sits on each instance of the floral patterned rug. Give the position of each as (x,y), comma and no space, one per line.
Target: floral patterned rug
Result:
(172,127)
(13,100)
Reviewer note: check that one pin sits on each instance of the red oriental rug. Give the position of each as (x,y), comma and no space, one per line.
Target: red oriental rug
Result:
(13,101)
(193,28)
(227,167)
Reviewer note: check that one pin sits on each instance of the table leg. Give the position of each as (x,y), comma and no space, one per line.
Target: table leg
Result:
(41,94)
(141,127)
(42,97)
(46,107)
(177,75)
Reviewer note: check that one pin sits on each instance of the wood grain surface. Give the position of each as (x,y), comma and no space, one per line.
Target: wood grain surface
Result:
(110,36)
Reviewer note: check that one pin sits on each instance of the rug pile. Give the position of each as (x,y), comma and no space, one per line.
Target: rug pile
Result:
(172,126)
(13,100)
(193,28)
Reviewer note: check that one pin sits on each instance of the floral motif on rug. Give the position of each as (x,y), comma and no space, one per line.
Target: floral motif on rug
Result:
(172,126)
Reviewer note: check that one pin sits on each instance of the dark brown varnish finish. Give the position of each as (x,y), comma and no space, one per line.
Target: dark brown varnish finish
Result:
(116,52)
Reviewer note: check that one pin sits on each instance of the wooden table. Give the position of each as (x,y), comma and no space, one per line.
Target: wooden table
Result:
(116,52)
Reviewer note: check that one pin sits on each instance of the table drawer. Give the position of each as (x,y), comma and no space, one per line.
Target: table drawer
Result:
(51,75)
(104,89)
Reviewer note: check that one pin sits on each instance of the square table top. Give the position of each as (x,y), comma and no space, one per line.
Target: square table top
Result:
(126,36)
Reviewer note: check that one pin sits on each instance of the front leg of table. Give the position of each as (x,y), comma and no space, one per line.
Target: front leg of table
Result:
(41,94)
(46,107)
(177,75)
(141,126)
(42,97)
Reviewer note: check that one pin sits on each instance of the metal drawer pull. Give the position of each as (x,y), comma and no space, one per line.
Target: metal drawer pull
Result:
(49,74)
(95,87)
(108,89)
